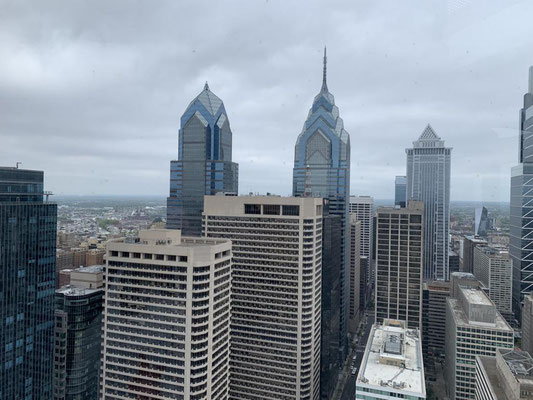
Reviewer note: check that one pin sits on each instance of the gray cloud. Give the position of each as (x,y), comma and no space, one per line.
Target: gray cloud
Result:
(92,91)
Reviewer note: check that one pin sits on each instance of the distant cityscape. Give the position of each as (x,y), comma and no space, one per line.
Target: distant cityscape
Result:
(323,294)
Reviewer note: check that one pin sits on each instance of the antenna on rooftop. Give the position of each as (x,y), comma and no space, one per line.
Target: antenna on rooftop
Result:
(18,163)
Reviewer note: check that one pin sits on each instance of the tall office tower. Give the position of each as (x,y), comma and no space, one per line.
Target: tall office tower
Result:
(363,208)
(428,180)
(508,376)
(204,163)
(473,327)
(392,365)
(481,222)
(28,226)
(494,268)
(276,293)
(78,335)
(322,169)
(527,323)
(434,295)
(355,274)
(469,245)
(166,317)
(400,191)
(521,218)
(399,264)
(331,361)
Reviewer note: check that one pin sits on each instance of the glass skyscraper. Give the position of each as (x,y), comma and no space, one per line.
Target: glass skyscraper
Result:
(521,215)
(428,180)
(204,165)
(322,169)
(400,191)
(28,226)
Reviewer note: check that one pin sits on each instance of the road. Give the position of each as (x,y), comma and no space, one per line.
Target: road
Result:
(349,389)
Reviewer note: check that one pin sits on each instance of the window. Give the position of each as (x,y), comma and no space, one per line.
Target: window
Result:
(252,208)
(271,209)
(291,210)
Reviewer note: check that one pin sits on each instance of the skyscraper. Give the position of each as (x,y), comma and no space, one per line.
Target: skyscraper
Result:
(428,180)
(473,327)
(363,209)
(399,264)
(28,224)
(481,221)
(204,163)
(355,274)
(493,268)
(77,346)
(322,169)
(276,293)
(521,215)
(400,191)
(330,360)
(166,317)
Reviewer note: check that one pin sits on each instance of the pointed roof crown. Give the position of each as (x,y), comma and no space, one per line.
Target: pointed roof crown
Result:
(209,100)
(428,138)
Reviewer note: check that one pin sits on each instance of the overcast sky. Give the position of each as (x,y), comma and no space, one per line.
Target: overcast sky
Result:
(92,92)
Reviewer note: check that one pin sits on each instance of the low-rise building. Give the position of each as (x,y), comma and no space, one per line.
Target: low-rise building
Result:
(508,376)
(392,366)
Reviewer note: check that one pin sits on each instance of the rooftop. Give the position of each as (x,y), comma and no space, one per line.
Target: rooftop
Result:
(77,291)
(93,269)
(393,359)
(478,310)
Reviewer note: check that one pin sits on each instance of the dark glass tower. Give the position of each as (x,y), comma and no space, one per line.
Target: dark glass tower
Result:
(400,191)
(28,226)
(521,214)
(331,297)
(322,169)
(204,165)
(78,343)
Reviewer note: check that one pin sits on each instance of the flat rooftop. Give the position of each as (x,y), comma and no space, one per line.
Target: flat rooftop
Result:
(476,296)
(489,365)
(93,269)
(393,360)
(77,291)
(461,318)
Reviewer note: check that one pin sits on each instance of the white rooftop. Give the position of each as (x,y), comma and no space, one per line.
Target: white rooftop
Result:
(393,361)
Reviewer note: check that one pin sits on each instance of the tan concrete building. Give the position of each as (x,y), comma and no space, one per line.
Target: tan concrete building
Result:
(494,268)
(276,293)
(508,376)
(399,264)
(166,317)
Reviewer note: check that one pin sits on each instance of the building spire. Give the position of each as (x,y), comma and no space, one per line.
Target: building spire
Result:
(324,72)
(206,87)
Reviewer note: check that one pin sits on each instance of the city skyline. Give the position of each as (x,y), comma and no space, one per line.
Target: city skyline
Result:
(79,89)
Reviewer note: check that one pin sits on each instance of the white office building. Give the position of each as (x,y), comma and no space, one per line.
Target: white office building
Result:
(166,317)
(276,293)
(493,266)
(392,366)
(473,327)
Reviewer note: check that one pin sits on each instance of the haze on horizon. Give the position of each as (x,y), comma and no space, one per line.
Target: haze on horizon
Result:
(92,92)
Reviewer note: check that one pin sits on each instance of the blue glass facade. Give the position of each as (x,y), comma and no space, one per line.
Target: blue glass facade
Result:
(322,169)
(521,212)
(78,332)
(400,191)
(204,165)
(27,282)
